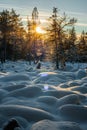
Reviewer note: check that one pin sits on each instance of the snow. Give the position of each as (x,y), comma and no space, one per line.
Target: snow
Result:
(43,99)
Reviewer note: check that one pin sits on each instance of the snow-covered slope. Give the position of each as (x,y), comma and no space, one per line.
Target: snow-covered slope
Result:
(43,99)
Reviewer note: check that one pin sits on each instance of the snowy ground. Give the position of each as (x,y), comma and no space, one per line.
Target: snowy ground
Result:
(44,99)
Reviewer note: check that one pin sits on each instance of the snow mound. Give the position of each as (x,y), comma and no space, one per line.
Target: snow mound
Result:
(69,99)
(81,89)
(13,87)
(80,73)
(26,92)
(50,100)
(29,113)
(50,125)
(74,112)
(15,78)
(43,99)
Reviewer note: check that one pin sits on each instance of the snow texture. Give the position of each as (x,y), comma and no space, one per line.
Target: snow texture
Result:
(44,98)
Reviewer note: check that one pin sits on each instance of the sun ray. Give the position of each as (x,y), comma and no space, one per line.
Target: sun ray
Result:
(40,30)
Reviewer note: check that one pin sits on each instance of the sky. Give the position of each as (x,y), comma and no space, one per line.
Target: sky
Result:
(73,8)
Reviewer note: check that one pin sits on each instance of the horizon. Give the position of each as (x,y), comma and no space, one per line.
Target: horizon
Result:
(72,9)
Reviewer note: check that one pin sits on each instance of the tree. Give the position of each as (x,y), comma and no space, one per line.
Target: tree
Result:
(10,28)
(57,31)
(72,50)
(29,36)
(82,47)
(35,23)
(4,29)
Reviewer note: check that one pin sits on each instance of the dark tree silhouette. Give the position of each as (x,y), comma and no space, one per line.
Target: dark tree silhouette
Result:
(11,29)
(72,50)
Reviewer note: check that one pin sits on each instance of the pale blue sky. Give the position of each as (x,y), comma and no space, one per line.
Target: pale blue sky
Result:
(73,8)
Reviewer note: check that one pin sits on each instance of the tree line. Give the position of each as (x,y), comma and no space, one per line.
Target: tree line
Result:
(60,44)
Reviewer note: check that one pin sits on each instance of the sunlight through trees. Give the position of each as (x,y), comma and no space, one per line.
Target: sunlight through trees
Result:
(56,41)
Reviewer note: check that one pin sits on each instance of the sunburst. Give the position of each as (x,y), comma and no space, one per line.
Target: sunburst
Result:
(40,30)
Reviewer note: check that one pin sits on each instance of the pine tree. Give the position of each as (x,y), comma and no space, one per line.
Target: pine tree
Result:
(57,33)
(82,47)
(10,28)
(72,55)
(35,22)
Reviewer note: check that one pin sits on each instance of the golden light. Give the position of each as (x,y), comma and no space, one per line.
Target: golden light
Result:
(40,30)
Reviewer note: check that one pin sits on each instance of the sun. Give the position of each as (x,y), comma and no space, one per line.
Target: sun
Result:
(40,30)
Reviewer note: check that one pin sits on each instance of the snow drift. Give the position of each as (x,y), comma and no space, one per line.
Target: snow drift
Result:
(43,99)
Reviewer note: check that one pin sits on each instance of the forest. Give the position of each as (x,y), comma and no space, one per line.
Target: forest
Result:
(58,42)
